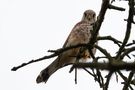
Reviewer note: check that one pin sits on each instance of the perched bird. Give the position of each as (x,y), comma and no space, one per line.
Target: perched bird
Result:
(80,34)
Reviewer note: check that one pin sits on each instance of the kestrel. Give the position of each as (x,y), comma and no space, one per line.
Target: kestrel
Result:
(80,34)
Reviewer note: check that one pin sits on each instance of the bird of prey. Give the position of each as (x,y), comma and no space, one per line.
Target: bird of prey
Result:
(80,34)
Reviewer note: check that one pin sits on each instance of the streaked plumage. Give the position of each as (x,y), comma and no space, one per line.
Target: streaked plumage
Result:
(80,34)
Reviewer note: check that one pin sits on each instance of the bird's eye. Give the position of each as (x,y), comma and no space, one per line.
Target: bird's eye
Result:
(93,15)
(85,14)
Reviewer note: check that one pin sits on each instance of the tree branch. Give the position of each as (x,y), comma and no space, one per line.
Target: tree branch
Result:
(58,52)
(127,84)
(108,80)
(99,21)
(129,24)
(115,66)
(55,53)
(109,38)
(104,52)
(116,7)
(127,51)
(129,44)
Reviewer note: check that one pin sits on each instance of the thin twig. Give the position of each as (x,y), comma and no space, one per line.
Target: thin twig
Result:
(129,44)
(124,78)
(110,38)
(128,80)
(100,78)
(127,51)
(116,76)
(104,52)
(89,72)
(108,80)
(75,75)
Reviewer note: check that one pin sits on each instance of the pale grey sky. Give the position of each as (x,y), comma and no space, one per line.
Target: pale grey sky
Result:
(28,28)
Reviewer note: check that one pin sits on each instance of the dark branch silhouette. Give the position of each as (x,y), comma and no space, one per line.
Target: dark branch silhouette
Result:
(114,64)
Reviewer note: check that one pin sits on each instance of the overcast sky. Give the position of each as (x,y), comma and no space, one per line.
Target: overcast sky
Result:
(28,28)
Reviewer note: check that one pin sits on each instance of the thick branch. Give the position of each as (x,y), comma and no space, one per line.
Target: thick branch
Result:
(107,66)
(99,21)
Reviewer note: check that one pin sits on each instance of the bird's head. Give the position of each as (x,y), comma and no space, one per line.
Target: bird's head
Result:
(89,16)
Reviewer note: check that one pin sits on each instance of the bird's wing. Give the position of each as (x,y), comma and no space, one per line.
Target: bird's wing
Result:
(78,35)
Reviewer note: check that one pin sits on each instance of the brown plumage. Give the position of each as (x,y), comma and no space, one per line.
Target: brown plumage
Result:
(80,34)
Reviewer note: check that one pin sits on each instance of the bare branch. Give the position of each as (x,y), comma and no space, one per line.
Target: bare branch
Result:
(104,52)
(109,38)
(100,78)
(75,75)
(115,63)
(116,7)
(108,80)
(99,21)
(32,61)
(124,78)
(89,72)
(115,66)
(127,51)
(56,53)
(128,80)
(129,44)
(129,24)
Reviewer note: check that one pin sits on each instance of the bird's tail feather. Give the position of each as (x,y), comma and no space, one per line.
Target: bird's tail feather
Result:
(47,72)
